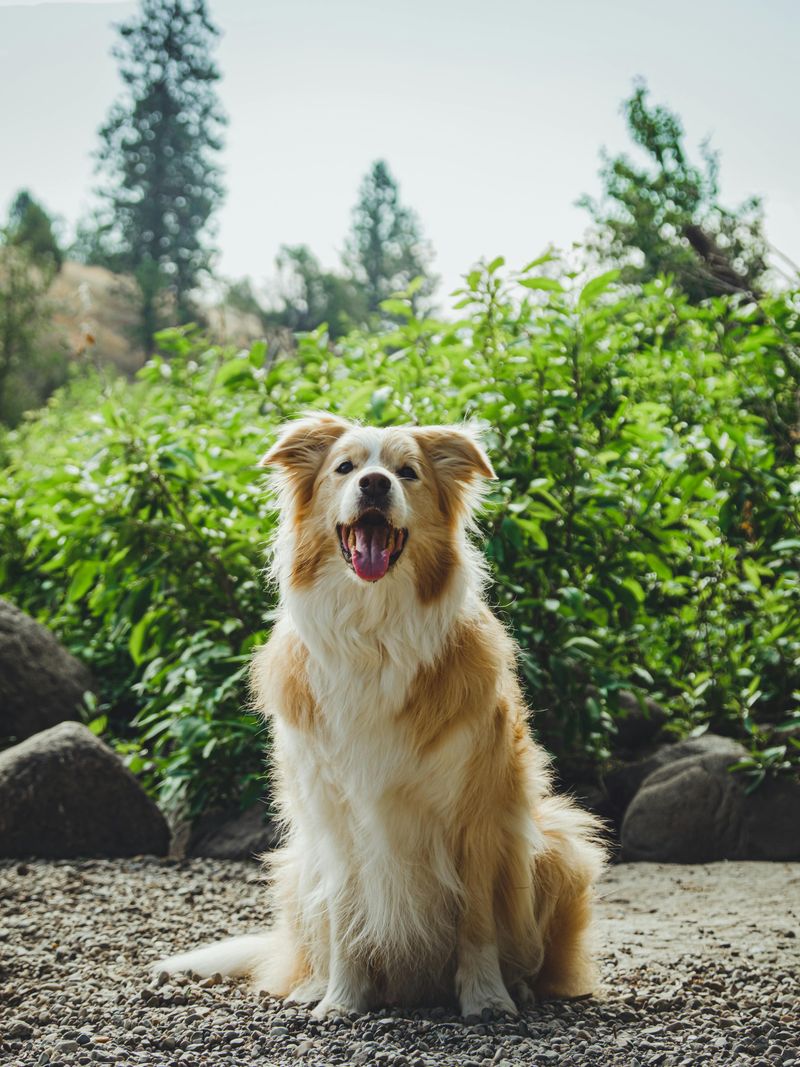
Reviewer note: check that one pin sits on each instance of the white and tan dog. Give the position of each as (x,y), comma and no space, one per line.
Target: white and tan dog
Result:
(424,851)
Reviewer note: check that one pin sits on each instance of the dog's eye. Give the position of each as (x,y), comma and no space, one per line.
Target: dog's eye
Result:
(344,468)
(408,473)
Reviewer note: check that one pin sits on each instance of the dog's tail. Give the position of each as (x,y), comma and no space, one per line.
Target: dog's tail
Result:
(235,957)
(271,960)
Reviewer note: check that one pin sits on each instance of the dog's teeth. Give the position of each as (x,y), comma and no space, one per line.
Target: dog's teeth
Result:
(351,541)
(390,542)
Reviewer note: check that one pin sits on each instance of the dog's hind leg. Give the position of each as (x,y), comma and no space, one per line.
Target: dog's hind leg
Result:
(563,878)
(479,979)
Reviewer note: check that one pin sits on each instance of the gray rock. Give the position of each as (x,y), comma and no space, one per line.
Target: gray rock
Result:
(639,721)
(41,684)
(696,811)
(623,781)
(63,793)
(234,835)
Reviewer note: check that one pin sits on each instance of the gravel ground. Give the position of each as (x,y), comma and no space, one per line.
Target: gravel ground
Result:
(700,966)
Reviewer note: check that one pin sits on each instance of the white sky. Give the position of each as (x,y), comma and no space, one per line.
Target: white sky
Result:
(491,115)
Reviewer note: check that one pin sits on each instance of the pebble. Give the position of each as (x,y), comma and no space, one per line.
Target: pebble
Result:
(19,1029)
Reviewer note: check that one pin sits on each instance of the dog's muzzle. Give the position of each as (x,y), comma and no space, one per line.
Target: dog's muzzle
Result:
(371,544)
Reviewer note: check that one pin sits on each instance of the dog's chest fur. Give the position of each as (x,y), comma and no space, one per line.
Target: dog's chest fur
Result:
(361,666)
(369,811)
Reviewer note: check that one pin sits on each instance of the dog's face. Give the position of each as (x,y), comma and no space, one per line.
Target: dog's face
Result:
(375,500)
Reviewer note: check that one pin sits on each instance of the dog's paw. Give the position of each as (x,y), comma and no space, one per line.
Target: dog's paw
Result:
(335,1008)
(476,1003)
(523,995)
(308,992)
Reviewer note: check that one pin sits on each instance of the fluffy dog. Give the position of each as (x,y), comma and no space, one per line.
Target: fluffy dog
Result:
(424,852)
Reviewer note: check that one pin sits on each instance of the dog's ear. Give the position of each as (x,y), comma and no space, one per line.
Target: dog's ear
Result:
(303,444)
(455,451)
(300,451)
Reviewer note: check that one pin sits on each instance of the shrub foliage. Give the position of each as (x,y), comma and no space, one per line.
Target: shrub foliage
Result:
(643,533)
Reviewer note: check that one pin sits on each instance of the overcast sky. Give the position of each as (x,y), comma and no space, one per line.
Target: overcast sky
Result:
(491,115)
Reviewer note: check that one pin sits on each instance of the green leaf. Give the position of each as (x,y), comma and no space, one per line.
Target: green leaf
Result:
(258,354)
(546,257)
(635,588)
(702,529)
(98,725)
(82,579)
(658,566)
(533,530)
(233,372)
(393,306)
(789,544)
(582,642)
(137,637)
(546,284)
(751,572)
(596,286)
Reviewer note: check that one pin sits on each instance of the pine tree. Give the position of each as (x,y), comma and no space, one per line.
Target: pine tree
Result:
(158,149)
(30,227)
(33,357)
(385,250)
(667,218)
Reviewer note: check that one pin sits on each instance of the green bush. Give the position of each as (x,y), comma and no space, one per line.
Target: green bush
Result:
(643,534)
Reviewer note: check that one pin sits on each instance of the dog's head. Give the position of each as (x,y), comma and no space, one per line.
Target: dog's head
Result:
(372,501)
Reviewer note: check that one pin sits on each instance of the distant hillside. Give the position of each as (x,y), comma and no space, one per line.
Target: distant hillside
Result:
(96,312)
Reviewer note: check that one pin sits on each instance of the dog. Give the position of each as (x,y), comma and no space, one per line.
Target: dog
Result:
(424,854)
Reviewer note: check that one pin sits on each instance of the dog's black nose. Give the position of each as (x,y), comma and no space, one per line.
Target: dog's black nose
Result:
(375,486)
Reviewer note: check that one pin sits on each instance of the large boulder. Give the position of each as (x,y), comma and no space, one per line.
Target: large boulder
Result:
(234,835)
(696,810)
(623,781)
(64,793)
(41,684)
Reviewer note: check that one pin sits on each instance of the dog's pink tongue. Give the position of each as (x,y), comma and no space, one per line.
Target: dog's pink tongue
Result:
(371,557)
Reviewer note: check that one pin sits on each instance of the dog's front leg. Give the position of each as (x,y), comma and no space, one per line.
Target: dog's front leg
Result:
(479,981)
(348,982)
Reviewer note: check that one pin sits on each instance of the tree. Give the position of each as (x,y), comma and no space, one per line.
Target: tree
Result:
(310,295)
(385,250)
(666,218)
(304,297)
(32,356)
(30,227)
(158,149)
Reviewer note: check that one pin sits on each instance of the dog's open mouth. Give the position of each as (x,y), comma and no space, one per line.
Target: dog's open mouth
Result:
(371,545)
